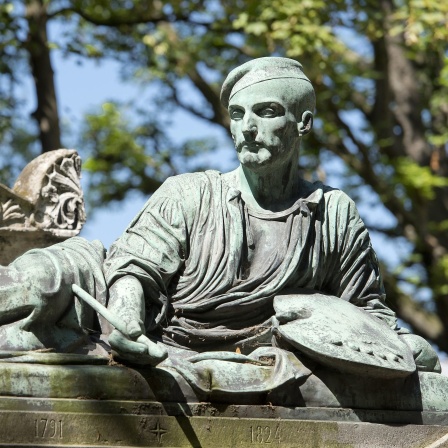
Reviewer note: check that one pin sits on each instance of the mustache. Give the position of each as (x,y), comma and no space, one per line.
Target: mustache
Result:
(250,145)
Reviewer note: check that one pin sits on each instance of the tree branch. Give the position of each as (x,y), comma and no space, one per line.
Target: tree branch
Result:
(220,115)
(46,114)
(363,167)
(391,232)
(422,322)
(135,18)
(401,86)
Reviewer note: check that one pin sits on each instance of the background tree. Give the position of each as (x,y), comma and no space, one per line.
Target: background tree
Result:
(380,69)
(93,30)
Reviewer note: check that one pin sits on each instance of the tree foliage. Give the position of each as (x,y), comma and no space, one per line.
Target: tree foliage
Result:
(380,70)
(125,157)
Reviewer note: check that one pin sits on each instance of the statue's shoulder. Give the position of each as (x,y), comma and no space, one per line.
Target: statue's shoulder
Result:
(332,195)
(188,184)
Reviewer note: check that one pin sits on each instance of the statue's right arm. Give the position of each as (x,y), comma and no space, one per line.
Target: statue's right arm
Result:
(127,300)
(139,269)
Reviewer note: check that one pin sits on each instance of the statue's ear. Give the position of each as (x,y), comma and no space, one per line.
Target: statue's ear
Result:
(306,124)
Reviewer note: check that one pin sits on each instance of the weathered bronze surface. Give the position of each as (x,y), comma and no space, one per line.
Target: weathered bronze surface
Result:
(363,345)
(254,290)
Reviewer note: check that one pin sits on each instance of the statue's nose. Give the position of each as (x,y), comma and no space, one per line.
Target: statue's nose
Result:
(250,132)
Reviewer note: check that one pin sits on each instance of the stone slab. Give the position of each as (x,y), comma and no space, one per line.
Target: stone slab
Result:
(51,375)
(16,241)
(72,381)
(97,423)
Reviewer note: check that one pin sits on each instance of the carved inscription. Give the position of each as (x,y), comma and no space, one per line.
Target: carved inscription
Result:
(264,434)
(158,431)
(48,428)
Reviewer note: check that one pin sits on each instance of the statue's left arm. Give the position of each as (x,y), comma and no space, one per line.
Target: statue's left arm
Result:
(353,274)
(352,268)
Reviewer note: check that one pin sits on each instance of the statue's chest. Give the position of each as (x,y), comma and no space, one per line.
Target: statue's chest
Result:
(265,246)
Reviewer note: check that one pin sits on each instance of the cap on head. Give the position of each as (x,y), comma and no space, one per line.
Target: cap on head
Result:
(259,70)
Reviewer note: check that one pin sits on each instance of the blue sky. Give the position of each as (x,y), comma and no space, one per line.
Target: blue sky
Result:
(83,88)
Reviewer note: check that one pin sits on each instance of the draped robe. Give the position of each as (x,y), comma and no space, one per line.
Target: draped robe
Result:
(187,248)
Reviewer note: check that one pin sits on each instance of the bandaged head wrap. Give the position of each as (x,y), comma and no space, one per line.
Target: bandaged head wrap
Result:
(259,70)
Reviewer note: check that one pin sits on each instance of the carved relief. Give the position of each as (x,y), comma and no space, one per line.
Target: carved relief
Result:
(47,194)
(10,212)
(15,211)
(44,206)
(61,202)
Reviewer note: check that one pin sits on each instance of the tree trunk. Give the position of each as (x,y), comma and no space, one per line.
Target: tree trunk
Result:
(46,112)
(400,99)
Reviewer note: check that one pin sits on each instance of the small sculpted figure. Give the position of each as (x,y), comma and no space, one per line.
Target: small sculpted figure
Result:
(215,265)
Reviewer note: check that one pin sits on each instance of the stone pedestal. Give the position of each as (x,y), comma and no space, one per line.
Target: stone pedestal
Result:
(121,423)
(51,399)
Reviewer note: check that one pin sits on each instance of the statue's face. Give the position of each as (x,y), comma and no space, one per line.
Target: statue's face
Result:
(263,124)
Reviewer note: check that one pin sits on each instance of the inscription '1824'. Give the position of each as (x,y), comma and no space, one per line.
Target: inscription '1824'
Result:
(264,434)
(47,428)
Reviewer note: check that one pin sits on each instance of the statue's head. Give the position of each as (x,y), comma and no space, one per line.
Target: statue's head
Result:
(271,104)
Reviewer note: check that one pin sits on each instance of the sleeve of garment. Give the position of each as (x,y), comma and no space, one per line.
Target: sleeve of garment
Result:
(353,273)
(152,248)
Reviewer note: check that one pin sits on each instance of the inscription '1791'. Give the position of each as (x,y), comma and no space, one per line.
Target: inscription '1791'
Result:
(264,434)
(47,428)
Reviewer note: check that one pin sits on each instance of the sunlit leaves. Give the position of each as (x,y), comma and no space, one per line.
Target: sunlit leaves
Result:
(125,156)
(417,180)
(440,274)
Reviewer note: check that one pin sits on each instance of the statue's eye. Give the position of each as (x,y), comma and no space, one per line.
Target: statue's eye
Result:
(236,114)
(268,112)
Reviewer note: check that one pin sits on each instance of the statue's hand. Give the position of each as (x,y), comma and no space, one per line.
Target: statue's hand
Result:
(425,357)
(135,347)
(130,343)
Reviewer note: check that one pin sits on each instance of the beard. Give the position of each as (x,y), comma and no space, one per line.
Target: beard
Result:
(255,155)
(253,159)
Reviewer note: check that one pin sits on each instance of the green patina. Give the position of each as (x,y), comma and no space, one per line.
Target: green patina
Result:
(250,283)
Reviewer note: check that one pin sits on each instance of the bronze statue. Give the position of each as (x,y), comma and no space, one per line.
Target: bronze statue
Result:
(238,273)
